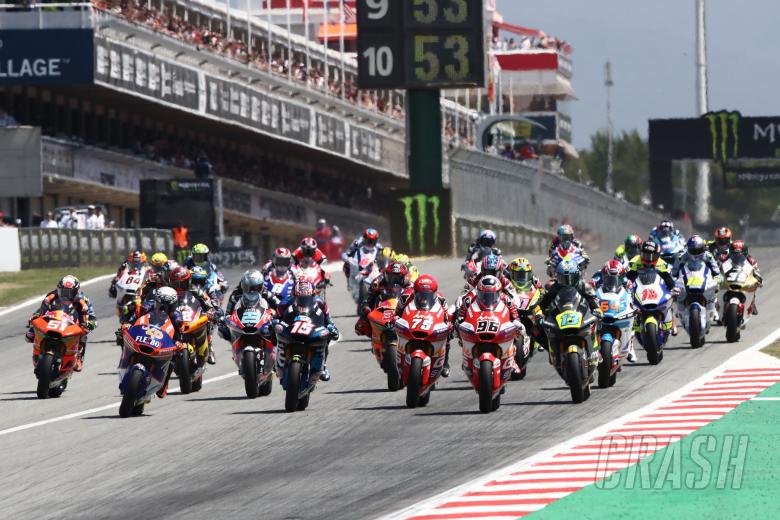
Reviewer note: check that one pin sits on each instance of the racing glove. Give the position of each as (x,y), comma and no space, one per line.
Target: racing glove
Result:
(334,332)
(112,291)
(91,325)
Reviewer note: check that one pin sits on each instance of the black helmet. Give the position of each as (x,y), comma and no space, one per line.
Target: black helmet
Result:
(650,252)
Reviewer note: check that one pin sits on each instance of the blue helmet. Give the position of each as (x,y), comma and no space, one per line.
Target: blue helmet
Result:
(566,235)
(568,273)
(487,238)
(199,275)
(696,246)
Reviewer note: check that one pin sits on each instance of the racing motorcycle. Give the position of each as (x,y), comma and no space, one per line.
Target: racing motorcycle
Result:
(671,248)
(526,299)
(147,354)
(422,337)
(652,301)
(570,339)
(697,288)
(384,340)
(252,353)
(613,334)
(738,283)
(560,254)
(281,286)
(216,286)
(488,339)
(300,354)
(55,349)
(126,292)
(311,271)
(361,265)
(190,363)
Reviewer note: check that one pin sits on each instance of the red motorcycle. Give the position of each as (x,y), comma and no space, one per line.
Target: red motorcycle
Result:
(311,271)
(55,350)
(422,333)
(488,339)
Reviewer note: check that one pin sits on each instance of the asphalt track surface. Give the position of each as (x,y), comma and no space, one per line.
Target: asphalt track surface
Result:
(356,453)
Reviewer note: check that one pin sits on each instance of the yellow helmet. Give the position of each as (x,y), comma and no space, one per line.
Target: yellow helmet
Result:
(385,256)
(521,272)
(404,259)
(158,261)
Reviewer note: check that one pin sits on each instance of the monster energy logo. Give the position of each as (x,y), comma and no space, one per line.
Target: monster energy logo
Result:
(420,202)
(724,127)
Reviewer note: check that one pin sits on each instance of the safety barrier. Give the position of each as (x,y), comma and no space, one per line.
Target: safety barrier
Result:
(42,247)
(512,239)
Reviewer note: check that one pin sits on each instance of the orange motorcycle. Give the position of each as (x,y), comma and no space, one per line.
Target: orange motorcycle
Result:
(384,340)
(55,349)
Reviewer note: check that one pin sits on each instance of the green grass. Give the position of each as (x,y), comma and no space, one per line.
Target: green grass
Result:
(773,349)
(16,287)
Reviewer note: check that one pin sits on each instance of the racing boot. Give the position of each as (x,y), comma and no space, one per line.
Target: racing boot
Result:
(211,359)
(79,364)
(325,374)
(118,334)
(445,371)
(752,309)
(674,326)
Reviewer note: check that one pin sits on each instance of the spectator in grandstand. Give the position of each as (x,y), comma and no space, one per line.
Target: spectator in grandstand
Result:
(6,119)
(92,219)
(70,220)
(49,222)
(202,166)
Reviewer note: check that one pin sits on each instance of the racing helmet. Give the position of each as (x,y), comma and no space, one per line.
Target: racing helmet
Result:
(696,247)
(308,247)
(170,265)
(282,260)
(395,274)
(723,237)
(321,223)
(199,276)
(136,259)
(370,237)
(568,273)
(158,262)
(200,254)
(252,281)
(612,274)
(68,288)
(491,265)
(665,228)
(404,259)
(487,238)
(566,235)
(650,253)
(488,292)
(632,245)
(180,279)
(520,272)
(738,246)
(425,290)
(165,299)
(385,256)
(303,292)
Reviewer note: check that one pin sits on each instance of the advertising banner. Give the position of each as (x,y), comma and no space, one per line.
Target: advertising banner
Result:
(751,174)
(421,222)
(46,56)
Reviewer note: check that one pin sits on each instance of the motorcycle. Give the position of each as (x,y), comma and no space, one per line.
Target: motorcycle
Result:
(422,340)
(488,340)
(570,338)
(126,290)
(252,353)
(614,331)
(526,299)
(652,301)
(360,266)
(697,289)
(738,283)
(147,353)
(301,353)
(281,287)
(560,254)
(55,349)
(384,340)
(671,248)
(190,363)
(215,286)
(311,271)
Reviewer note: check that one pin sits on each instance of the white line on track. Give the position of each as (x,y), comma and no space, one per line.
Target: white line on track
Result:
(94,410)
(766,399)
(37,299)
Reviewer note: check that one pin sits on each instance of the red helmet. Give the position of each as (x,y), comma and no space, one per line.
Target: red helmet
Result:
(738,246)
(425,289)
(395,274)
(308,247)
(370,237)
(180,278)
(612,274)
(488,292)
(723,237)
(68,288)
(282,258)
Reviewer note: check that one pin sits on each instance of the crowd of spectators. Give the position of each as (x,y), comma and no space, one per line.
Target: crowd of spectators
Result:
(276,61)
(528,43)
(88,217)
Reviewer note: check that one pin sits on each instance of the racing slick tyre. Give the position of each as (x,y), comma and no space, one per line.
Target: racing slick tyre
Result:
(249,370)
(414,383)
(486,386)
(181,366)
(605,367)
(128,407)
(654,355)
(57,390)
(293,386)
(44,370)
(731,320)
(573,371)
(694,328)
(391,367)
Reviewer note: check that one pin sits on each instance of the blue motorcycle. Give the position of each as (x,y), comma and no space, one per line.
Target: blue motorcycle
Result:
(616,318)
(281,287)
(653,302)
(301,347)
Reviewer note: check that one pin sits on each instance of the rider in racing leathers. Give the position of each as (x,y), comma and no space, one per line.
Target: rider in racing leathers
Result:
(369,240)
(482,246)
(136,261)
(180,279)
(163,299)
(200,256)
(613,276)
(696,250)
(738,248)
(628,250)
(666,229)
(251,282)
(565,240)
(68,291)
(650,258)
(394,280)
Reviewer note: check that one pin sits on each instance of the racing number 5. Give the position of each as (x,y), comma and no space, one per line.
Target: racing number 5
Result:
(425,11)
(422,56)
(457,12)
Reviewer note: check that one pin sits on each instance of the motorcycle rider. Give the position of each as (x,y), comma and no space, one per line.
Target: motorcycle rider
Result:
(180,280)
(492,265)
(394,282)
(369,240)
(200,257)
(520,273)
(280,263)
(156,277)
(666,229)
(136,261)
(482,246)
(163,301)
(613,274)
(738,248)
(650,258)
(309,252)
(425,293)
(252,282)
(696,250)
(565,244)
(68,292)
(305,302)
(568,275)
(414,273)
(628,249)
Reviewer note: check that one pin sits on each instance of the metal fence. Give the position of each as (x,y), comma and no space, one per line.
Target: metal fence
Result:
(79,247)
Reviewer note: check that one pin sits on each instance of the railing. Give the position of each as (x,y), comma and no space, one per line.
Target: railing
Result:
(42,247)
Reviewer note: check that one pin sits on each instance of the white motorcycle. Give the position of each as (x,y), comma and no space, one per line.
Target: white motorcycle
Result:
(360,267)
(127,289)
(696,303)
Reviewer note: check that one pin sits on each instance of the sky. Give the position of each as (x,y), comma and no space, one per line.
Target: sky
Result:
(652,49)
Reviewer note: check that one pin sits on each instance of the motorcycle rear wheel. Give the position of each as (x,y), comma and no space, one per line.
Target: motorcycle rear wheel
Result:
(293,386)
(694,328)
(651,343)
(606,364)
(486,386)
(249,370)
(414,383)
(573,371)
(182,368)
(45,367)
(128,407)
(731,320)
(391,367)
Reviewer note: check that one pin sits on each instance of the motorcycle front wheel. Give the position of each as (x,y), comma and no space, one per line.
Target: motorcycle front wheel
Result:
(486,386)
(731,320)
(128,407)
(694,327)
(293,386)
(249,369)
(45,367)
(651,343)
(573,370)
(182,368)
(605,380)
(391,367)
(414,383)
